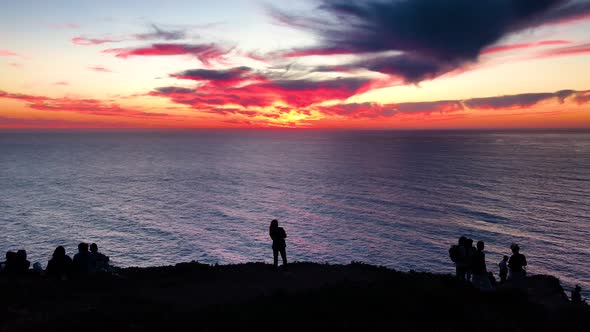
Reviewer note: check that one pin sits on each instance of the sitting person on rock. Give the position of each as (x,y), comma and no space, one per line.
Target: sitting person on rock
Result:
(98,261)
(60,264)
(22,264)
(81,262)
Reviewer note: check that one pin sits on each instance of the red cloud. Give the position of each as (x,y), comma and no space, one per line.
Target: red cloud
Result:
(92,41)
(86,106)
(505,48)
(246,87)
(61,83)
(264,92)
(100,69)
(204,52)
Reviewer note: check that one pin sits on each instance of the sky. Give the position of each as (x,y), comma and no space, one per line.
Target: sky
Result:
(370,64)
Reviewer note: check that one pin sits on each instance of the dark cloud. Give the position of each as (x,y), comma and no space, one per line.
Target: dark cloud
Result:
(174,89)
(360,110)
(411,67)
(161,34)
(430,106)
(511,101)
(523,100)
(231,75)
(431,36)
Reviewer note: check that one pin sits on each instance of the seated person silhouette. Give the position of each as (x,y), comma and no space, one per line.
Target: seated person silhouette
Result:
(98,261)
(21,263)
(81,262)
(9,265)
(278,235)
(60,264)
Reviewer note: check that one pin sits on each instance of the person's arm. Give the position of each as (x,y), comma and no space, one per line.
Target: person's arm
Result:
(284,234)
(523,260)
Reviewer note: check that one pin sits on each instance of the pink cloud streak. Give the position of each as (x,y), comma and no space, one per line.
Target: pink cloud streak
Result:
(505,48)
(206,53)
(92,41)
(100,69)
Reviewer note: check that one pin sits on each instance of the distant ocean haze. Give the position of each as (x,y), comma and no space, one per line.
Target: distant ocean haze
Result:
(397,199)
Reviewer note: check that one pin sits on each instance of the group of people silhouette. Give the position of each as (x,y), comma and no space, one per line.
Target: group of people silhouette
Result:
(470,262)
(88,260)
(470,265)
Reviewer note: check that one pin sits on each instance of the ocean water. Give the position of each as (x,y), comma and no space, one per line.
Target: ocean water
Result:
(397,199)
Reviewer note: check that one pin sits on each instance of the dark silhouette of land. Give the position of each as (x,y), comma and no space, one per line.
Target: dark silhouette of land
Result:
(254,296)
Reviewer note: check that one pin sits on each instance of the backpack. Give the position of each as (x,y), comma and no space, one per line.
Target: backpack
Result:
(454,253)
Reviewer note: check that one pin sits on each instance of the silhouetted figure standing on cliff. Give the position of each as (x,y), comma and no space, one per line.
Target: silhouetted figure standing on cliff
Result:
(458,256)
(98,261)
(60,264)
(480,277)
(469,253)
(81,263)
(516,264)
(278,235)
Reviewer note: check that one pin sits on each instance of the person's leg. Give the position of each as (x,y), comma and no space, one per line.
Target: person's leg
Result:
(275,254)
(284,256)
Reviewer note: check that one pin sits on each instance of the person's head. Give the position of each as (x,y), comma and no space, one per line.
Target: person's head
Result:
(59,252)
(480,245)
(469,243)
(274,223)
(10,256)
(462,240)
(83,247)
(515,248)
(578,288)
(93,247)
(505,258)
(21,255)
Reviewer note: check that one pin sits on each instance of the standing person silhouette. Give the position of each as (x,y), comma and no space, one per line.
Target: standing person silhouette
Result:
(516,264)
(278,235)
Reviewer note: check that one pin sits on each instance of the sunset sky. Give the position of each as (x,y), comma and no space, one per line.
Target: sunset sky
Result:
(376,64)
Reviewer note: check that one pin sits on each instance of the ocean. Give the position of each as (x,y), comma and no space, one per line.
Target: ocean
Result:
(392,198)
